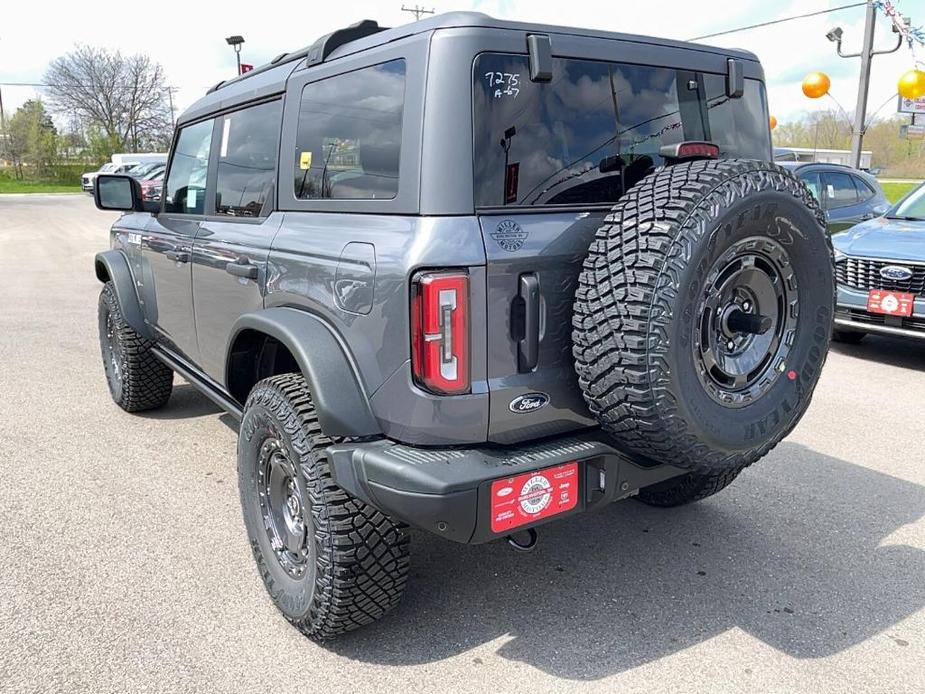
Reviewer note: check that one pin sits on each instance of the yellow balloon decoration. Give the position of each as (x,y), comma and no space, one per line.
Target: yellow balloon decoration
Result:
(912,84)
(816,84)
(772,121)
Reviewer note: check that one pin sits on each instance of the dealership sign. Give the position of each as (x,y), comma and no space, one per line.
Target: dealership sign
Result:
(911,105)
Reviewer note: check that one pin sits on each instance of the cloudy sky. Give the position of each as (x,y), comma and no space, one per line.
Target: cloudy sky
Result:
(187,37)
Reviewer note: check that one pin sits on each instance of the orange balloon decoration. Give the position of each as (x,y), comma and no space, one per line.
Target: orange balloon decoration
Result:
(772,121)
(816,84)
(912,84)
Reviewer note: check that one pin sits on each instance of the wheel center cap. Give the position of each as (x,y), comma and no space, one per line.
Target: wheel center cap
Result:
(294,506)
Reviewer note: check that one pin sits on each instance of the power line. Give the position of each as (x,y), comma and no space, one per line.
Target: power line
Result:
(779,21)
(417,11)
(65,86)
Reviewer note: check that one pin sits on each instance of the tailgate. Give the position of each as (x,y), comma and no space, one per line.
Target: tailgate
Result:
(533,263)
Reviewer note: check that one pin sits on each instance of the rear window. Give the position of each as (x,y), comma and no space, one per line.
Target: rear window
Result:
(596,128)
(348,142)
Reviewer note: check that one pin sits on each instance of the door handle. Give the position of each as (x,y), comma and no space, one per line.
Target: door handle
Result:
(177,256)
(242,268)
(528,347)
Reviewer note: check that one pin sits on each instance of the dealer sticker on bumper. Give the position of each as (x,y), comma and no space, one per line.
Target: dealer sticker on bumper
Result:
(530,497)
(890,303)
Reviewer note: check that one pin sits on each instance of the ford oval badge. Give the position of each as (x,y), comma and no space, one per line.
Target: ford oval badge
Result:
(896,272)
(528,402)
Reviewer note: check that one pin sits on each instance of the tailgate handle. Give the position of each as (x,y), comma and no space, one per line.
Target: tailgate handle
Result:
(528,347)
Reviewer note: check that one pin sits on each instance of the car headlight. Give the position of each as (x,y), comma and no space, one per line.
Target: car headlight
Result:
(839,256)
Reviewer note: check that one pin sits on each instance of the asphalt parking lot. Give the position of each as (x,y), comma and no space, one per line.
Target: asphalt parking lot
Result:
(124,565)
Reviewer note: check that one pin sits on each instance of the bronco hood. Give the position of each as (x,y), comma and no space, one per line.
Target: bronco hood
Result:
(895,239)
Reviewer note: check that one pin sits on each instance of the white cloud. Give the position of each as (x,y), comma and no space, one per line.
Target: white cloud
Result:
(187,38)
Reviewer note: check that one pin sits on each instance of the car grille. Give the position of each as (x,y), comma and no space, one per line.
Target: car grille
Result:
(862,273)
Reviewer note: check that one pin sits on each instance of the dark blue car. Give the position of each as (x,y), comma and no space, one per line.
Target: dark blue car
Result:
(880,270)
(847,195)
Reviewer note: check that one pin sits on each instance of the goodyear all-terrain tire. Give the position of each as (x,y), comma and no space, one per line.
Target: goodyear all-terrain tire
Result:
(703,316)
(330,562)
(137,380)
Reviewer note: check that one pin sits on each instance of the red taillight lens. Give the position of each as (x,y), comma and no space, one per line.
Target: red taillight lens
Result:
(698,149)
(440,331)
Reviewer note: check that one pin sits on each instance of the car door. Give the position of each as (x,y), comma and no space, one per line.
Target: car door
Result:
(168,241)
(843,208)
(231,248)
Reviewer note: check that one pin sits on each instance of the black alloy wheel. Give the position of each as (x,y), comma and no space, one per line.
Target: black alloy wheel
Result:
(747,319)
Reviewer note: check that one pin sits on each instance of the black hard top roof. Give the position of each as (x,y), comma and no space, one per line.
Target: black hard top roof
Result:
(271,78)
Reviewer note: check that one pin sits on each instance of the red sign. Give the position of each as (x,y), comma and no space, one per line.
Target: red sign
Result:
(527,498)
(245,67)
(890,303)
(511,176)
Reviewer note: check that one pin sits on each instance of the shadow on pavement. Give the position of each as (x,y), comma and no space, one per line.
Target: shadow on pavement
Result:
(185,403)
(793,553)
(907,354)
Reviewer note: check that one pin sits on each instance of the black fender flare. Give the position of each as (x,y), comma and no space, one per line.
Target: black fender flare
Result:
(113,266)
(333,379)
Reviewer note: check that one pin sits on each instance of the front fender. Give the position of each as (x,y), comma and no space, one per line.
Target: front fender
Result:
(113,266)
(340,400)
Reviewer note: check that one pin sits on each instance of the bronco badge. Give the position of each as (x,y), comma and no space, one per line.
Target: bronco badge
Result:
(528,402)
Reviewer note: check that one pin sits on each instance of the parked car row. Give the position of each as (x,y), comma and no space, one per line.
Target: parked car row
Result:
(134,164)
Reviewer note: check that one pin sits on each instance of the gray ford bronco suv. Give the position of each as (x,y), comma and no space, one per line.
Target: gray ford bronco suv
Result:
(468,276)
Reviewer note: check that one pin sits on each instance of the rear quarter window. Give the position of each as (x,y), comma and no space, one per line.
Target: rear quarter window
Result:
(348,142)
(597,127)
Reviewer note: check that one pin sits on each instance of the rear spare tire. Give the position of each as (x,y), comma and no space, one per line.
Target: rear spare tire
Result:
(703,315)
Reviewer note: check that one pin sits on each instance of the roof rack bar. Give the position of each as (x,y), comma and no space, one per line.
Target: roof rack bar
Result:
(318,52)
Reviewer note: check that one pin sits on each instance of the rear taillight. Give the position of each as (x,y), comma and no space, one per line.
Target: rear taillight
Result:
(440,331)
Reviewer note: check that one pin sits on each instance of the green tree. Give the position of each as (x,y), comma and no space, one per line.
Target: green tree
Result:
(124,100)
(31,139)
(831,130)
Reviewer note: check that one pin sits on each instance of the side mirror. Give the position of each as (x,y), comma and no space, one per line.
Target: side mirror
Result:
(122,193)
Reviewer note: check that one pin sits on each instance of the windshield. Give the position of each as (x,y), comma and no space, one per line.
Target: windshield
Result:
(912,206)
(106,168)
(597,127)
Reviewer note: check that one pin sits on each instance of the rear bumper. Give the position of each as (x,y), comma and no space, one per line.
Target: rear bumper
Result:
(851,314)
(448,491)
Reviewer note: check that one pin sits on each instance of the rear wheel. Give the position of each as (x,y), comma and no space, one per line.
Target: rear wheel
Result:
(137,379)
(702,317)
(693,486)
(330,562)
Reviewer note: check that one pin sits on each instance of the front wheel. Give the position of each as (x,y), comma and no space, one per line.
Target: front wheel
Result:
(330,562)
(137,380)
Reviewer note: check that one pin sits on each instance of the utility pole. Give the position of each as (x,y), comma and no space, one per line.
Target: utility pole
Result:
(867,53)
(417,11)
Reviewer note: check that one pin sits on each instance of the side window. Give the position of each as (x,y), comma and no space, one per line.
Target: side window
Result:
(247,159)
(815,187)
(864,191)
(839,190)
(348,141)
(186,181)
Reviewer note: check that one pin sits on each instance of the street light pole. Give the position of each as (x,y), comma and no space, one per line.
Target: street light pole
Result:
(867,53)
(860,110)
(235,42)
